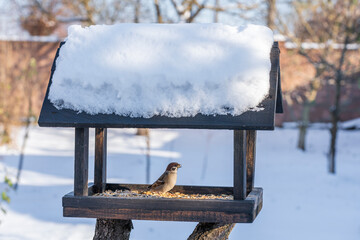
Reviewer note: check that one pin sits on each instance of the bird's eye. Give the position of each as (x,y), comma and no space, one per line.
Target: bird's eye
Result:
(173,168)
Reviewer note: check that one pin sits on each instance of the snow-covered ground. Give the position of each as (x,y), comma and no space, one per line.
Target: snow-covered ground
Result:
(301,200)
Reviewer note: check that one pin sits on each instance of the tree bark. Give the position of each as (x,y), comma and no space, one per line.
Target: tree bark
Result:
(216,12)
(158,12)
(335,117)
(303,126)
(333,133)
(137,11)
(310,98)
(112,229)
(271,13)
(211,231)
(142,132)
(335,110)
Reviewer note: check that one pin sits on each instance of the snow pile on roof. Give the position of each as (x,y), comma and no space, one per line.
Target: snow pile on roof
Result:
(142,70)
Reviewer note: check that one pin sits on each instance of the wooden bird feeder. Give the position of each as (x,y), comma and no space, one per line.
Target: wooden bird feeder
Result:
(247,201)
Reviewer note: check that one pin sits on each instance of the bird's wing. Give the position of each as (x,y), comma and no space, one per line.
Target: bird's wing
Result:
(160,181)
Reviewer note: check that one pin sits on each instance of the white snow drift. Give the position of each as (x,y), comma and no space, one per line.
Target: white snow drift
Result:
(142,70)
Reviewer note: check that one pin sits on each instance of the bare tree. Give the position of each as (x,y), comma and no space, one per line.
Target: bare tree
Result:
(43,17)
(216,12)
(189,10)
(159,18)
(308,100)
(327,34)
(271,13)
(137,11)
(30,82)
(38,17)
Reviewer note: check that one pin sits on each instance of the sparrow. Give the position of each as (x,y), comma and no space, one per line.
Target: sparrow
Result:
(167,180)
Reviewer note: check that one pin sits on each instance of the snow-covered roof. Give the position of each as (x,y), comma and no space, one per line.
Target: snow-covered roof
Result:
(174,70)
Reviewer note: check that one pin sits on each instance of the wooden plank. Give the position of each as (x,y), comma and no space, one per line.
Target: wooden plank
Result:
(164,215)
(239,164)
(81,161)
(250,159)
(164,209)
(250,120)
(101,202)
(258,207)
(70,200)
(100,160)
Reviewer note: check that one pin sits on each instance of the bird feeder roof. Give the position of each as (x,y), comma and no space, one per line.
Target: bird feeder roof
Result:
(162,87)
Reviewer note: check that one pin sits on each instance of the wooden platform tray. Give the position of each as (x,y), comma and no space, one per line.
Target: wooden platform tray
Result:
(190,210)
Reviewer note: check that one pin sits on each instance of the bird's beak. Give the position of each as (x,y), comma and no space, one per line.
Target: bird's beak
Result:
(179,165)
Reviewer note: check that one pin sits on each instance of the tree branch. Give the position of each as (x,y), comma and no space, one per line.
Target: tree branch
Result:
(158,11)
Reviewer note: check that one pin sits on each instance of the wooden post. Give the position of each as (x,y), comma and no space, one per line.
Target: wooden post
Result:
(81,161)
(100,160)
(250,159)
(218,231)
(106,229)
(239,164)
(112,229)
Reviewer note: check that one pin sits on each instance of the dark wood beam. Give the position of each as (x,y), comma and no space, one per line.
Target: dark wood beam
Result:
(250,159)
(81,161)
(100,160)
(239,164)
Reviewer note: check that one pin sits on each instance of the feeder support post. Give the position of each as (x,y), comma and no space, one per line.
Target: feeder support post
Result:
(239,164)
(250,159)
(81,161)
(100,160)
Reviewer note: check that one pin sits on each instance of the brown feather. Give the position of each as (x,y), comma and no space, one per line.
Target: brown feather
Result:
(173,164)
(158,182)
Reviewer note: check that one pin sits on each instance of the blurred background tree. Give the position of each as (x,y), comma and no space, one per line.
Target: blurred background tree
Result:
(323,32)
(43,17)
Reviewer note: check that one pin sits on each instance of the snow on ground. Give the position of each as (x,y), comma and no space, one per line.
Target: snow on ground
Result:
(351,124)
(163,69)
(301,200)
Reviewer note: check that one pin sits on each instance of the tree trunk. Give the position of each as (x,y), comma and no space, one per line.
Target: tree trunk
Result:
(158,12)
(271,13)
(216,12)
(142,132)
(112,229)
(304,125)
(335,110)
(333,133)
(211,231)
(137,11)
